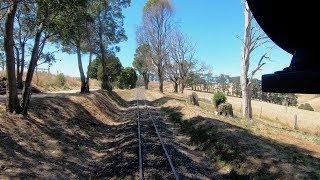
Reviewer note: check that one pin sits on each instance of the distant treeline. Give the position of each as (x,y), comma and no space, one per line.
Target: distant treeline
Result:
(231,86)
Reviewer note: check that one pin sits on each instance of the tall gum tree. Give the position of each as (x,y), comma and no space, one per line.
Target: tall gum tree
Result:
(182,53)
(72,33)
(155,30)
(46,14)
(12,104)
(254,37)
(110,31)
(142,63)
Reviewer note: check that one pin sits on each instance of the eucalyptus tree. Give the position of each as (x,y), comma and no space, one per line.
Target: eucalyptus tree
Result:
(24,32)
(155,30)
(182,53)
(72,33)
(254,38)
(12,104)
(172,72)
(109,23)
(46,17)
(142,63)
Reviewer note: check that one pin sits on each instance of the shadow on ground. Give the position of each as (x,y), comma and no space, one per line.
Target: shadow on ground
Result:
(61,139)
(248,156)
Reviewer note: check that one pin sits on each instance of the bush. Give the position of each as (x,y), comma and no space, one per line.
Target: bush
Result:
(60,80)
(218,98)
(127,79)
(306,106)
(225,109)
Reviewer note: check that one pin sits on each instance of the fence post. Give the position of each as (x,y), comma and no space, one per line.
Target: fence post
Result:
(295,118)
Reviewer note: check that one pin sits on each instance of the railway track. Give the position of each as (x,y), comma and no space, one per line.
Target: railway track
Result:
(154,159)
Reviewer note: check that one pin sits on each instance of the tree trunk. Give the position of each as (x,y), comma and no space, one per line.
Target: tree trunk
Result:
(146,80)
(245,86)
(12,104)
(105,81)
(175,87)
(88,79)
(32,66)
(17,60)
(160,79)
(20,74)
(82,77)
(182,85)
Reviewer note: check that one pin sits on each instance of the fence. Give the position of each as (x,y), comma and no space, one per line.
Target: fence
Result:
(293,117)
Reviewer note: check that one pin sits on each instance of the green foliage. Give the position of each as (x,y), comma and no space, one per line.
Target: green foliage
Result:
(127,79)
(93,70)
(60,80)
(140,62)
(218,98)
(306,106)
(114,68)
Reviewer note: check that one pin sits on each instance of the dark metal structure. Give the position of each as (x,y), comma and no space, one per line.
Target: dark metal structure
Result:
(292,25)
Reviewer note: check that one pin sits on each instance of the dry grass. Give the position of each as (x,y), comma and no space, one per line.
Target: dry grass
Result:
(46,82)
(312,99)
(127,95)
(247,149)
(70,136)
(307,120)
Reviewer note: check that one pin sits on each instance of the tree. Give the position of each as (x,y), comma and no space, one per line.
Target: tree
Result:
(223,80)
(253,38)
(72,33)
(110,31)
(93,69)
(236,87)
(181,51)
(127,78)
(25,29)
(12,104)
(114,67)
(154,31)
(142,63)
(46,17)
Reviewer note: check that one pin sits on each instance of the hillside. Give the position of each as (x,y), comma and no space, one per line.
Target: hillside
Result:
(67,136)
(312,99)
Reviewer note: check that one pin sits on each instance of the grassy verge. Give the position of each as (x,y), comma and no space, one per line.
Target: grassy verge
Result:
(244,155)
(225,156)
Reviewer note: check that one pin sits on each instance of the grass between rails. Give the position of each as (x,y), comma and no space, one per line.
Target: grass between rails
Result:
(244,149)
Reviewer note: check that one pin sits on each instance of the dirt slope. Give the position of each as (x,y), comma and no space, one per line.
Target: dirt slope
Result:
(72,136)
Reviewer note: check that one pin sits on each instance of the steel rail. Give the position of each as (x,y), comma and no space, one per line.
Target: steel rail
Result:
(139,141)
(162,144)
(159,136)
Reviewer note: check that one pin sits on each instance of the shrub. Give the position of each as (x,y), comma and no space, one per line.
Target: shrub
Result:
(306,106)
(218,98)
(60,80)
(127,79)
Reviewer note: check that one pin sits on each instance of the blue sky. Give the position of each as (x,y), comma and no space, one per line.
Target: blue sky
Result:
(213,25)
